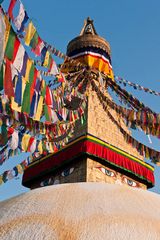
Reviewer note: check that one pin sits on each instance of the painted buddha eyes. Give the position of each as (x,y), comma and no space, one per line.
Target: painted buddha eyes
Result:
(67,172)
(107,172)
(122,179)
(130,182)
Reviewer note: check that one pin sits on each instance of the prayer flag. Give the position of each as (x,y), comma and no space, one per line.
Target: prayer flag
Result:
(31,141)
(47,113)
(40,149)
(8,85)
(2,37)
(29,33)
(10,9)
(25,59)
(61,77)
(43,54)
(27,92)
(40,102)
(18,90)
(28,68)
(53,68)
(14,140)
(38,48)
(25,142)
(34,41)
(19,19)
(10,44)
(16,47)
(7,31)
(19,168)
(18,61)
(47,60)
(1,77)
(54,116)
(23,23)
(48,97)
(4,133)
(33,84)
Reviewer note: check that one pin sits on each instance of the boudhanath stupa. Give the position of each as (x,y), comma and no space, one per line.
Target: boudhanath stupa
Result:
(95,186)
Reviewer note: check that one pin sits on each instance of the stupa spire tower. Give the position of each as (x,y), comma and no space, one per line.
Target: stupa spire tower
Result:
(97,151)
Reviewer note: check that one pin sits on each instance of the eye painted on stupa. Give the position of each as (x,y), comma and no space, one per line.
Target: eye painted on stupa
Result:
(130,182)
(46,182)
(107,172)
(67,172)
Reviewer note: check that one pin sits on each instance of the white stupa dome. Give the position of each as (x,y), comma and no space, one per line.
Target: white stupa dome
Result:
(79,211)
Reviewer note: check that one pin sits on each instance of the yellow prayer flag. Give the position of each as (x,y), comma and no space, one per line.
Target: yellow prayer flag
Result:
(7,31)
(29,33)
(28,68)
(25,142)
(46,60)
(40,149)
(39,109)
(20,169)
(14,105)
(51,148)
(1,180)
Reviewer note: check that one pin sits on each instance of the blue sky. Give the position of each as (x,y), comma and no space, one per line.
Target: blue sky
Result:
(132,29)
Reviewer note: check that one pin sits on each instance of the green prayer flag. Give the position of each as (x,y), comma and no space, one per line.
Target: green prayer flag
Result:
(4,134)
(34,41)
(46,113)
(27,91)
(10,44)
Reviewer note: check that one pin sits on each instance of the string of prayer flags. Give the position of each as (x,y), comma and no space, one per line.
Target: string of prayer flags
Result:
(32,38)
(11,174)
(128,97)
(144,150)
(136,86)
(149,122)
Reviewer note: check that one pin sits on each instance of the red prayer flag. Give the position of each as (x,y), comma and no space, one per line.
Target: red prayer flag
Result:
(33,84)
(10,9)
(8,85)
(48,97)
(31,140)
(16,47)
